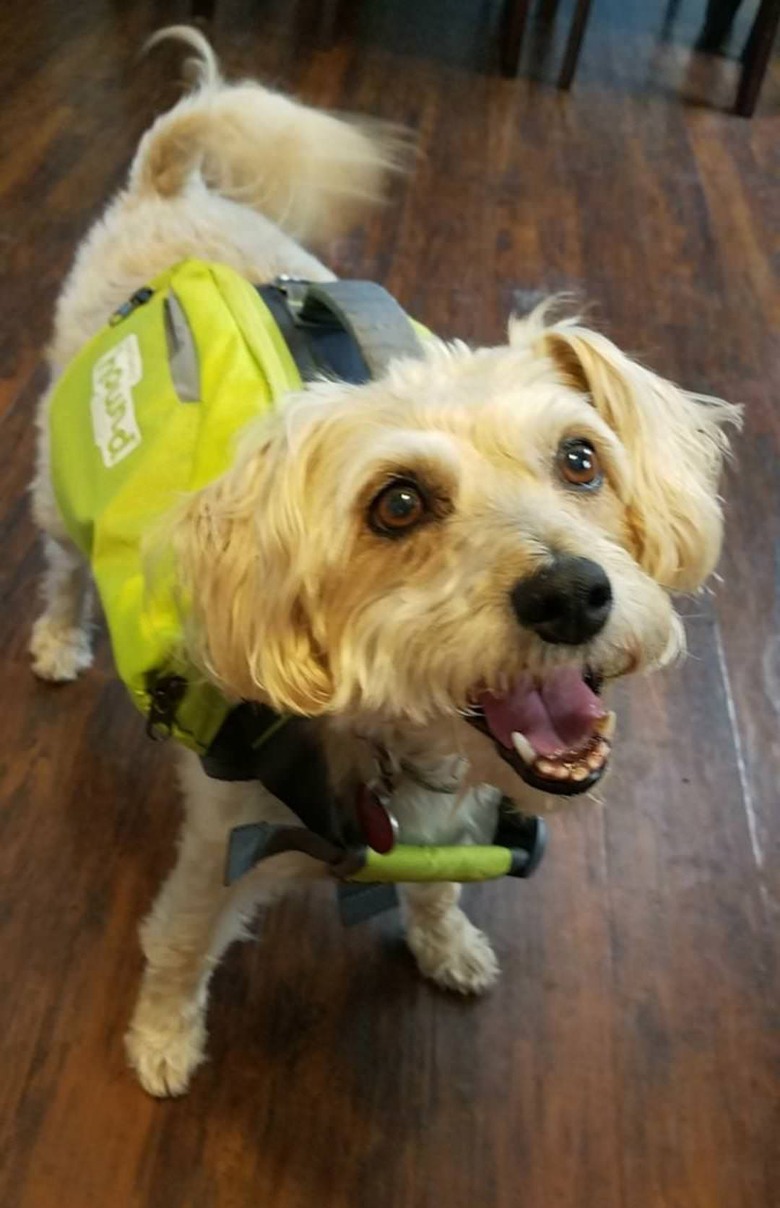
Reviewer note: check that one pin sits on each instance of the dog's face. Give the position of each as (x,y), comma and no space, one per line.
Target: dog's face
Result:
(492,533)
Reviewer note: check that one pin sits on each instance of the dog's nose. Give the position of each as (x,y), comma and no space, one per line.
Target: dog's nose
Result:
(566,602)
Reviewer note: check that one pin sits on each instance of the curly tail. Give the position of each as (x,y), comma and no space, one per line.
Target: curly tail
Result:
(305,169)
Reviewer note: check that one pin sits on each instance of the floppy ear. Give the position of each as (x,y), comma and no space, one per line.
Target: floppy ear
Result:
(248,620)
(676,443)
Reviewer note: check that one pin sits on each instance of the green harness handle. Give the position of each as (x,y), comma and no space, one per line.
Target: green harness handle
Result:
(517,852)
(407,863)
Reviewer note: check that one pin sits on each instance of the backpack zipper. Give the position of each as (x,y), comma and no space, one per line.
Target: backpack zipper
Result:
(165,695)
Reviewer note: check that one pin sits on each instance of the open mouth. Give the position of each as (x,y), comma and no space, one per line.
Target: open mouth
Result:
(554,732)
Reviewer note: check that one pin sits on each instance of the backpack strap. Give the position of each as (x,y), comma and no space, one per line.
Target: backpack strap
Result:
(347,329)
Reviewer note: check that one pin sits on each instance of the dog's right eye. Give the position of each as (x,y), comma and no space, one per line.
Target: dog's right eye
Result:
(578,464)
(397,508)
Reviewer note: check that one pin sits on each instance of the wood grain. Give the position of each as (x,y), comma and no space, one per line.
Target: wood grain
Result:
(630,1057)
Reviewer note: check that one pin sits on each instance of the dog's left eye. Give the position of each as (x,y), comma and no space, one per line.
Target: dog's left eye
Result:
(578,463)
(397,508)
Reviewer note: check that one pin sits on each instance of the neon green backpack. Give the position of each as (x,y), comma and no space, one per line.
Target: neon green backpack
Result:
(147,412)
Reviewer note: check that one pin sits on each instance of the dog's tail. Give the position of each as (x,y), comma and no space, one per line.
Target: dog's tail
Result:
(305,169)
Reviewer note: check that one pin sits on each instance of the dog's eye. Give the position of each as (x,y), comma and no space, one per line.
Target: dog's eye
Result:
(578,463)
(397,508)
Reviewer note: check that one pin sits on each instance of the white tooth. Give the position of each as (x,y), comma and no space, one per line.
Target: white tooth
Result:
(545,767)
(523,748)
(580,772)
(605,726)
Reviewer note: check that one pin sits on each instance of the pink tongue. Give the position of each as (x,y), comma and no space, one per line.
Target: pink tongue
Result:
(555,717)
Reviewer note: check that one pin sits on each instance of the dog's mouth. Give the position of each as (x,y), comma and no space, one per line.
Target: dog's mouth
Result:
(553,731)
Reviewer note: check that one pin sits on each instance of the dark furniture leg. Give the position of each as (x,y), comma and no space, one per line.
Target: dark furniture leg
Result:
(718,21)
(514,22)
(755,59)
(574,44)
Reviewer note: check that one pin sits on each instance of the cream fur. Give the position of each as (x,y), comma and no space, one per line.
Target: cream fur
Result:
(292,599)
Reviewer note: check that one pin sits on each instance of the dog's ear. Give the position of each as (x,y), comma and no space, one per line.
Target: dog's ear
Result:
(676,443)
(248,622)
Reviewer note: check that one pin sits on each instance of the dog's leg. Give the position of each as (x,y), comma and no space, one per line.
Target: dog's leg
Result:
(193,921)
(448,948)
(191,924)
(60,645)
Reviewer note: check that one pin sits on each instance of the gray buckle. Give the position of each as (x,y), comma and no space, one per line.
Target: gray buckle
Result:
(294,291)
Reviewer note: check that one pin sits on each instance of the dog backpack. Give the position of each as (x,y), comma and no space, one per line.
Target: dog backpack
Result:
(149,411)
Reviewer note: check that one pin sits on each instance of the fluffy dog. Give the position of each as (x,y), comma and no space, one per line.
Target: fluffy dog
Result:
(482,536)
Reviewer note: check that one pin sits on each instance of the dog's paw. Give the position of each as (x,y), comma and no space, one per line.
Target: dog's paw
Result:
(59,652)
(165,1052)
(455,954)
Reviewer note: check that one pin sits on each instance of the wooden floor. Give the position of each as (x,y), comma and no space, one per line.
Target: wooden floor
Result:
(630,1057)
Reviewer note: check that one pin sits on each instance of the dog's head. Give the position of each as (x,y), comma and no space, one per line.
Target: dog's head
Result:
(490,532)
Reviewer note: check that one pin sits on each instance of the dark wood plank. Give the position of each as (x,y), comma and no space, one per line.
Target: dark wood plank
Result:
(630,1057)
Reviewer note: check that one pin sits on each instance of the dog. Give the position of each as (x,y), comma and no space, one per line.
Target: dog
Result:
(452,560)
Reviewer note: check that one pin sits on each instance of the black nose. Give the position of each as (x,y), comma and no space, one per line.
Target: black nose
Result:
(566,602)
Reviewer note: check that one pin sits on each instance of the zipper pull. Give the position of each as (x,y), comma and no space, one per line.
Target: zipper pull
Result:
(166,694)
(139,298)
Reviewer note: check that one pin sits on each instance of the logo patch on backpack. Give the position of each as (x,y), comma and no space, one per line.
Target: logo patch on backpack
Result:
(113,415)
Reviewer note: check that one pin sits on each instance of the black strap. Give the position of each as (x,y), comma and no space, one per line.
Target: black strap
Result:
(285,754)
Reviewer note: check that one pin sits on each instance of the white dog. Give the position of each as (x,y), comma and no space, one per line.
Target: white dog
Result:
(485,534)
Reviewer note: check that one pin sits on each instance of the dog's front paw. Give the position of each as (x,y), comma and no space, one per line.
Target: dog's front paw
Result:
(455,954)
(165,1051)
(59,652)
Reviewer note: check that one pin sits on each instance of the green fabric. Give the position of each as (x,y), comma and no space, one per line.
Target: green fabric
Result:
(126,448)
(436,864)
